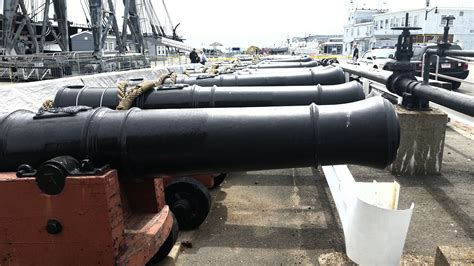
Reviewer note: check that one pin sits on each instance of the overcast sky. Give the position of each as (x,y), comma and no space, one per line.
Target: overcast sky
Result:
(262,22)
(267,22)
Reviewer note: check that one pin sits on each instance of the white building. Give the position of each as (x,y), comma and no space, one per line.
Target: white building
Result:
(312,44)
(359,29)
(378,33)
(304,45)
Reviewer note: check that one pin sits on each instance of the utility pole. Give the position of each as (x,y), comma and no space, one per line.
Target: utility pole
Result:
(426,17)
(427,10)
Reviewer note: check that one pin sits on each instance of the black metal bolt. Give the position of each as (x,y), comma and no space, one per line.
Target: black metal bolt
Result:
(24,169)
(86,166)
(51,178)
(182,208)
(54,227)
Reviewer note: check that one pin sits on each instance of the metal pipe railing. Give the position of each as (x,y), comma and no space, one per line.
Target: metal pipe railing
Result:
(452,78)
(426,64)
(380,76)
(430,52)
(456,101)
(399,85)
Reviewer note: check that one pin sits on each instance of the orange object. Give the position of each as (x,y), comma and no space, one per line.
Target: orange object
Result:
(102,221)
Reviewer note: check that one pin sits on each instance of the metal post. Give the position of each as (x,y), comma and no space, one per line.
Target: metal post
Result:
(105,30)
(45,25)
(29,26)
(118,39)
(60,8)
(126,12)
(96,23)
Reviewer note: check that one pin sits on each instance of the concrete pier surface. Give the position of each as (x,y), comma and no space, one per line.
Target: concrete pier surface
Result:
(287,216)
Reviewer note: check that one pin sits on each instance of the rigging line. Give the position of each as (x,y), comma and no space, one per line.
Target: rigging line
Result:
(38,10)
(85,13)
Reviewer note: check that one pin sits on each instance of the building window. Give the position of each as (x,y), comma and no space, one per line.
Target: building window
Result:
(415,21)
(403,22)
(358,31)
(376,24)
(386,24)
(461,13)
(381,24)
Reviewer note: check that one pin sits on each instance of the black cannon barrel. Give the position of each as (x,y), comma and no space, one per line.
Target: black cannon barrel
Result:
(147,143)
(284,64)
(280,70)
(289,59)
(265,71)
(330,76)
(202,97)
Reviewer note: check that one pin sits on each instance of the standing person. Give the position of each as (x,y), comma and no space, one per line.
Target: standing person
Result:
(194,56)
(202,58)
(355,55)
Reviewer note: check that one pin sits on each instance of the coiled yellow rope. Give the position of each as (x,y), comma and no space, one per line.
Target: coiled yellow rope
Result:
(48,104)
(126,98)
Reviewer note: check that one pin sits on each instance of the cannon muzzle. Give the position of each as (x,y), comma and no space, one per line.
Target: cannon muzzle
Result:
(314,76)
(147,143)
(202,97)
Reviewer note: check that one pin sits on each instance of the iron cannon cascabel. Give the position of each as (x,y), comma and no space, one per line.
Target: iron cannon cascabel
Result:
(147,143)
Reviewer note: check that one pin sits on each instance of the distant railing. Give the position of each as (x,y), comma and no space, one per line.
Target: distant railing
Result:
(170,60)
(57,65)
(63,64)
